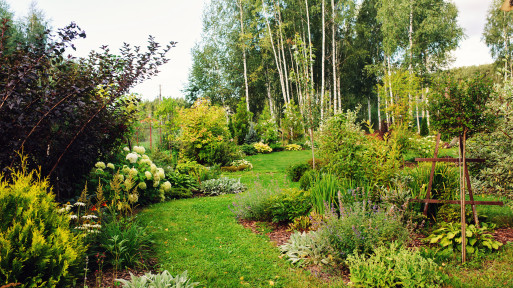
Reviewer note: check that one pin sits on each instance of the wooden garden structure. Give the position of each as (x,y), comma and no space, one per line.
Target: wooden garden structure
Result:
(428,199)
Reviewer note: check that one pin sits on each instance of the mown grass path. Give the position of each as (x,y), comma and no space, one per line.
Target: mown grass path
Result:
(201,235)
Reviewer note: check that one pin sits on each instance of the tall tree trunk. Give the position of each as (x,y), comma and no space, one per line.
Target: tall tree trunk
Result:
(271,106)
(333,57)
(427,105)
(309,41)
(276,59)
(369,109)
(505,44)
(244,54)
(410,65)
(286,73)
(323,59)
(390,86)
(379,112)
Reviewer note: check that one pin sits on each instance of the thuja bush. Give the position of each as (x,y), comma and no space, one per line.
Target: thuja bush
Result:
(65,112)
(241,122)
(37,248)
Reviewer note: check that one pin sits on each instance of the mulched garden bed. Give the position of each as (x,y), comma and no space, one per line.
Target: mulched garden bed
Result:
(108,275)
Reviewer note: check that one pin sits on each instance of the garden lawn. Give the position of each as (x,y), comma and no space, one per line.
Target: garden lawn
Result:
(201,235)
(270,169)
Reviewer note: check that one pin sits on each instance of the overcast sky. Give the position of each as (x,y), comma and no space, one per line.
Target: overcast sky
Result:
(112,22)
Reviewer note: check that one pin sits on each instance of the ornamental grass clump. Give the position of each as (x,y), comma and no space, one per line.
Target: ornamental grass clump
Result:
(37,248)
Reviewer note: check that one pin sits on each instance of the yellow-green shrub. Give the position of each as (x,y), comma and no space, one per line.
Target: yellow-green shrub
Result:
(262,148)
(37,247)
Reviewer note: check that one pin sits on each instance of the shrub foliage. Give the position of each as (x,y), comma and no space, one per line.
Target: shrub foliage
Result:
(37,247)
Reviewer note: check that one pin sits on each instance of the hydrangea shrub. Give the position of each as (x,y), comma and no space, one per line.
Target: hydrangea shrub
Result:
(137,169)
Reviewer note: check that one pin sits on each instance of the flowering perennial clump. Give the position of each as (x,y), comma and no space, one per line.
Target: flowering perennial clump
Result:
(243,162)
(293,147)
(137,171)
(262,148)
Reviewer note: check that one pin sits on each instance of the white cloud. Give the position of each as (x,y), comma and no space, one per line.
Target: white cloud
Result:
(472,17)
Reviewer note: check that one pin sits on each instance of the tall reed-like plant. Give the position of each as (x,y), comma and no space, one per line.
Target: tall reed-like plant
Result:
(329,192)
(324,193)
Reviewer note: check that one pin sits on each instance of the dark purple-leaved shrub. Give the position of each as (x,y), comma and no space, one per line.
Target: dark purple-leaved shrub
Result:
(65,112)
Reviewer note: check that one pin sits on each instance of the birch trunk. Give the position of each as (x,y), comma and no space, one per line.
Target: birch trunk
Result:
(276,59)
(322,60)
(244,54)
(286,73)
(390,86)
(333,57)
(309,42)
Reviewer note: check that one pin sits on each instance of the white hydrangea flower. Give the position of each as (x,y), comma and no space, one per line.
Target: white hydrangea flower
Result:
(142,186)
(121,178)
(145,161)
(145,156)
(132,198)
(166,185)
(153,168)
(133,172)
(100,165)
(156,184)
(156,177)
(132,157)
(161,173)
(126,149)
(125,169)
(148,175)
(139,149)
(111,166)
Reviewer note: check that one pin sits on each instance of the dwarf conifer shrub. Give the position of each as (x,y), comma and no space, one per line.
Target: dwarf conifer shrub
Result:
(37,247)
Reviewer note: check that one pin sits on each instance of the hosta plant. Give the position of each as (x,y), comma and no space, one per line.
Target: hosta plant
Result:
(448,236)
(160,280)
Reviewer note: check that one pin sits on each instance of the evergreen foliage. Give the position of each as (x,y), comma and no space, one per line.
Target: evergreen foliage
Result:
(37,247)
(424,130)
(241,122)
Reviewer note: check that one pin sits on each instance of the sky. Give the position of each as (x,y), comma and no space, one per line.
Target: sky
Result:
(112,22)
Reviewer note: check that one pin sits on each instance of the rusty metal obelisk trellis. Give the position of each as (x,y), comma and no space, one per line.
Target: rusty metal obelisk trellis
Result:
(428,199)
